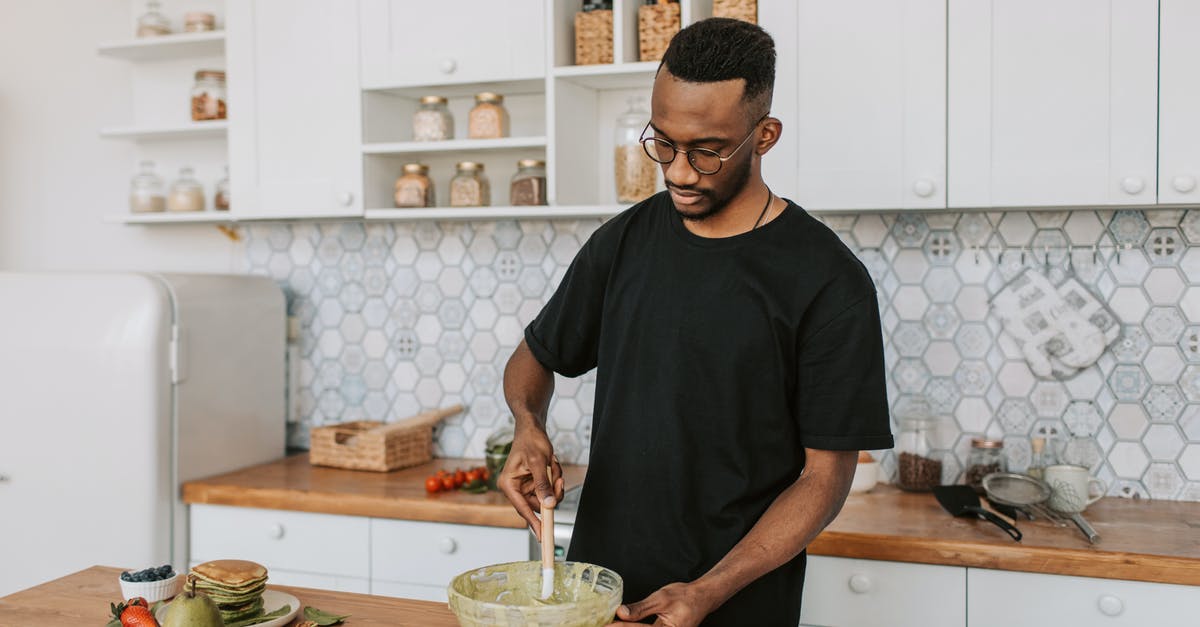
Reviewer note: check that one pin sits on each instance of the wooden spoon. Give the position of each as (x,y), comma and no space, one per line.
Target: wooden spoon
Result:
(548,544)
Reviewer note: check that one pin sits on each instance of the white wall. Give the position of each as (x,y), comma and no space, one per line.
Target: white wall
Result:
(58,179)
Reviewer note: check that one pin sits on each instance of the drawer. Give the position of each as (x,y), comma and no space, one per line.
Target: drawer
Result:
(1003,599)
(293,541)
(432,554)
(437,594)
(840,592)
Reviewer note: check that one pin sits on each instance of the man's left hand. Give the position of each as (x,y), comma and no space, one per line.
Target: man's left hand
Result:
(676,605)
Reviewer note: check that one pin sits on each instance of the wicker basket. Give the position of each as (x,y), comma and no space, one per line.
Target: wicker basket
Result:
(594,37)
(657,24)
(745,10)
(378,446)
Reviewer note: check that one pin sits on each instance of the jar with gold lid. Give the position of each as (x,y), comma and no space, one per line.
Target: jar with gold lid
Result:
(528,186)
(488,119)
(153,23)
(433,121)
(469,187)
(208,96)
(986,457)
(414,187)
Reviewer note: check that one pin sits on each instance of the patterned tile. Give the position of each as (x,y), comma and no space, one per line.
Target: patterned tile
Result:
(1129,227)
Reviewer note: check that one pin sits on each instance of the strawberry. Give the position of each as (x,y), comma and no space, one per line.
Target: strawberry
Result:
(133,613)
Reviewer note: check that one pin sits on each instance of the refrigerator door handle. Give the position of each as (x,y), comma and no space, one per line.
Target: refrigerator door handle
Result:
(178,353)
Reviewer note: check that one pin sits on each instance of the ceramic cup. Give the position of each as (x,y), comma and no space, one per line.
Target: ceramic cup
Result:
(1070,488)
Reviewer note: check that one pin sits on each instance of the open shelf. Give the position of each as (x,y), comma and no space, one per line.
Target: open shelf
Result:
(192,217)
(453,145)
(214,128)
(496,213)
(610,75)
(452,89)
(179,46)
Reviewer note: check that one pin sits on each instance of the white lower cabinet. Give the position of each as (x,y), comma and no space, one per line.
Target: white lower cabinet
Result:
(842,592)
(420,558)
(998,598)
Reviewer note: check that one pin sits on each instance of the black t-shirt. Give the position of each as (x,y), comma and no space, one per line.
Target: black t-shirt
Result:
(718,361)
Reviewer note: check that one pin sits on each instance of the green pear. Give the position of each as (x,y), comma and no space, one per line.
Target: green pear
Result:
(192,609)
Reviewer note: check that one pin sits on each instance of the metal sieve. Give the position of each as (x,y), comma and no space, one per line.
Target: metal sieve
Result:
(1023,491)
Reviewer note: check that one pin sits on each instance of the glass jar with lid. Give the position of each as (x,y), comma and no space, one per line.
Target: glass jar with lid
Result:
(186,192)
(634,171)
(413,187)
(146,190)
(986,457)
(495,451)
(918,467)
(199,22)
(1041,456)
(208,95)
(221,193)
(488,119)
(528,185)
(433,121)
(153,23)
(469,187)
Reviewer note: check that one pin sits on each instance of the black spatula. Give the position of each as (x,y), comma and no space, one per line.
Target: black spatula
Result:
(961,500)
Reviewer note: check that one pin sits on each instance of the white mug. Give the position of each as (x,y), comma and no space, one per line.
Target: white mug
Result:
(1070,488)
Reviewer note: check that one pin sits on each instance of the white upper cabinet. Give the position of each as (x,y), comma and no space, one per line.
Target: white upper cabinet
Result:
(870,92)
(1179,102)
(1052,103)
(294,133)
(451,41)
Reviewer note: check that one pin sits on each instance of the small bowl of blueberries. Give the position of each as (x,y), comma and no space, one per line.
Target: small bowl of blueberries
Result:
(153,584)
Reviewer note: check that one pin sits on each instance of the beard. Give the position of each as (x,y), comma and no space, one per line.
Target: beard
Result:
(717,200)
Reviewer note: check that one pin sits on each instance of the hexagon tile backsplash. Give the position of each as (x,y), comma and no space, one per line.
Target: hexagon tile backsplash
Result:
(399,317)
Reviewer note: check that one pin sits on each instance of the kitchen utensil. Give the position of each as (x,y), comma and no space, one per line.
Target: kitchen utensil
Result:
(1070,488)
(1021,491)
(548,544)
(585,595)
(961,500)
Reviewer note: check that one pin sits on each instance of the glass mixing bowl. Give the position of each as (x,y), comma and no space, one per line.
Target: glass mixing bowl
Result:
(585,595)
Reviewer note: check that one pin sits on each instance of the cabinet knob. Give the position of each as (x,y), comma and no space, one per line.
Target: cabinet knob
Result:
(4,479)
(1132,185)
(345,198)
(1110,605)
(447,546)
(275,531)
(924,188)
(860,583)
(448,66)
(1183,184)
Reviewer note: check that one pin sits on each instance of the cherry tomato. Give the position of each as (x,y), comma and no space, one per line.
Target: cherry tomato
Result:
(433,484)
(487,474)
(472,475)
(442,473)
(447,483)
(460,478)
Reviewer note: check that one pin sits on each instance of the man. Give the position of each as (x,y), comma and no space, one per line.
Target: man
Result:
(738,354)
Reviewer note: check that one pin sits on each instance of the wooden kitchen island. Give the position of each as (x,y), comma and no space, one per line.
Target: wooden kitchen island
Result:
(82,598)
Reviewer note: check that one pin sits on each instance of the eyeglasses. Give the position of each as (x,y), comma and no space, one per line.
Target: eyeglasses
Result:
(704,160)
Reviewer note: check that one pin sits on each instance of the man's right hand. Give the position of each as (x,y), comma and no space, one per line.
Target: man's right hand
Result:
(524,480)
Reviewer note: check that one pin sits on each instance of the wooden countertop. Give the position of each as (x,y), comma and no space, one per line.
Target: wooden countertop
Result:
(293,484)
(82,598)
(1141,540)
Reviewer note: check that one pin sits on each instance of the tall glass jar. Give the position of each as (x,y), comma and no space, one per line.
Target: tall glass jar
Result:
(918,468)
(986,457)
(496,449)
(1041,456)
(488,119)
(414,187)
(186,192)
(432,121)
(208,95)
(469,187)
(221,194)
(153,23)
(528,186)
(635,173)
(146,190)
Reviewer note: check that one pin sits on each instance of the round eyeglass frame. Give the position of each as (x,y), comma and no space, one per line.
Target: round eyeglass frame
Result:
(692,152)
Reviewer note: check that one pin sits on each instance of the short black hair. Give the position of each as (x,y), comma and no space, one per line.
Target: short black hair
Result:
(722,49)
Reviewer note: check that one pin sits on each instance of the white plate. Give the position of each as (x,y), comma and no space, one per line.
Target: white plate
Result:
(272,600)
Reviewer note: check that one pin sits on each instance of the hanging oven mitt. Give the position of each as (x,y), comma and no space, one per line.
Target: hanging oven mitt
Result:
(1021,306)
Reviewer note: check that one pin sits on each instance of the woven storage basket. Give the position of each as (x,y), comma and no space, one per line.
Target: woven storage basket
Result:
(378,446)
(594,37)
(745,10)
(657,24)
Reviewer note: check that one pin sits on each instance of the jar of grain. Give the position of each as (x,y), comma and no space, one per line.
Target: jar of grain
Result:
(221,193)
(146,190)
(636,174)
(186,192)
(432,121)
(469,187)
(918,468)
(413,187)
(153,23)
(208,95)
(199,22)
(528,185)
(987,456)
(488,119)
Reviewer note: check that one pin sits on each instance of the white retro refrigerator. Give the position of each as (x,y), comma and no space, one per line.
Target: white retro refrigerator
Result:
(114,389)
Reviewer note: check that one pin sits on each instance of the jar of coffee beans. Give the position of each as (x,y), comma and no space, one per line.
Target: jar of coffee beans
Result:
(987,456)
(918,468)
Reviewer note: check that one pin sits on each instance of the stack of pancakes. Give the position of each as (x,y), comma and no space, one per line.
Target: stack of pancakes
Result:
(236,586)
